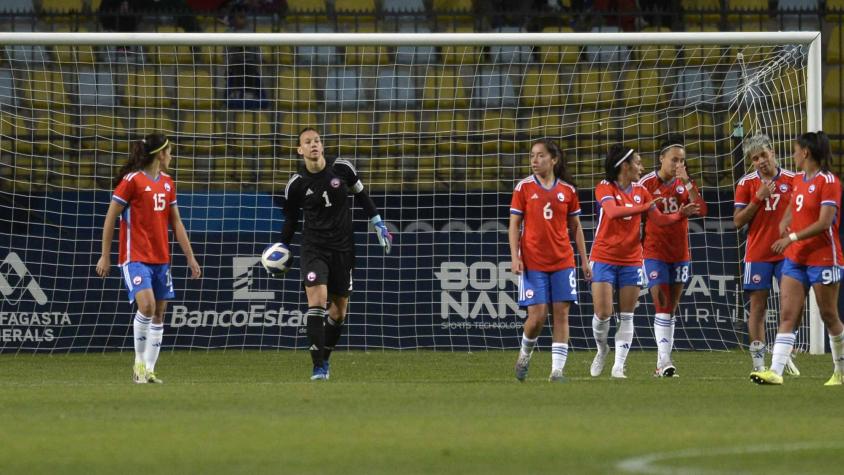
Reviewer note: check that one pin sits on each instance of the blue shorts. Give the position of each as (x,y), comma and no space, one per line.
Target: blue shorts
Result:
(618,276)
(139,276)
(811,275)
(661,272)
(539,287)
(760,275)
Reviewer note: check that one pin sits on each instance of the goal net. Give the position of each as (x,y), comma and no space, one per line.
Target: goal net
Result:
(439,128)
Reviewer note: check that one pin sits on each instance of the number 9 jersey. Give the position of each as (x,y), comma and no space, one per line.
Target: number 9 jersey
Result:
(807,199)
(545,244)
(763,230)
(145,218)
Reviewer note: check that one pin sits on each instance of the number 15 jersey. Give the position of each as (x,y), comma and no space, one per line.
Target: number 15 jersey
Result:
(145,218)
(763,230)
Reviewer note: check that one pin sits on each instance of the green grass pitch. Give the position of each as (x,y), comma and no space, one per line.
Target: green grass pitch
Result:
(412,412)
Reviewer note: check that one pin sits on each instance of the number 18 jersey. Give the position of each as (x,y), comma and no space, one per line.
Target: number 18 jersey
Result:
(763,230)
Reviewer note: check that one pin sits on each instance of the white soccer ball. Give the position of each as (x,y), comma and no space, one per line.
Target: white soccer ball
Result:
(277,259)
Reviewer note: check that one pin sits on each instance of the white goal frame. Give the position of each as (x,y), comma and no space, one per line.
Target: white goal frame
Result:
(811,40)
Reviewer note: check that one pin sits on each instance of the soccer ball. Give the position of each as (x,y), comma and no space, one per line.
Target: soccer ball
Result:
(277,259)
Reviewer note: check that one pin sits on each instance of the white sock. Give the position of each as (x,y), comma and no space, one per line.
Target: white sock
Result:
(559,354)
(782,351)
(836,344)
(623,338)
(757,354)
(601,330)
(140,328)
(156,333)
(527,345)
(663,335)
(673,323)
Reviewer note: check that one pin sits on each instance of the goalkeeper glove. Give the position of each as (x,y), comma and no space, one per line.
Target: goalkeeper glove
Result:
(384,236)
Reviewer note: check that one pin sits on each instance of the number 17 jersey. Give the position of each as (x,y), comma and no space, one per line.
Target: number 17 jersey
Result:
(763,229)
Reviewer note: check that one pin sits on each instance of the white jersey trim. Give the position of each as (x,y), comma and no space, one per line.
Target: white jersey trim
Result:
(293,178)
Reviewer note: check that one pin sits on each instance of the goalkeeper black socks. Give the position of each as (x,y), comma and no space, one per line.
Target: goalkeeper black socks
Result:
(316,334)
(333,331)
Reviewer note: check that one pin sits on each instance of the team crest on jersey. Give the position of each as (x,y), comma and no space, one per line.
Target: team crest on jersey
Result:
(783,187)
(137,280)
(679,189)
(618,197)
(335,183)
(653,275)
(311,276)
(560,197)
(529,293)
(812,188)
(167,186)
(637,199)
(756,278)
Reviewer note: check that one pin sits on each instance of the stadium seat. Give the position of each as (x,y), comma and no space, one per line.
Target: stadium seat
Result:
(348,133)
(396,89)
(461,55)
(450,14)
(449,129)
(508,55)
(789,88)
(444,89)
(350,15)
(75,54)
(615,54)
(45,90)
(397,133)
(314,55)
(694,87)
(642,88)
(95,89)
(644,129)
(747,12)
(289,126)
(53,133)
(342,87)
(154,121)
(168,54)
(545,123)
(498,131)
(425,174)
(294,88)
(699,130)
(9,131)
(833,118)
(62,6)
(836,38)
(145,89)
(595,88)
(103,133)
(701,12)
(8,92)
(657,55)
(403,6)
(195,89)
(494,88)
(414,55)
(563,55)
(595,129)
(198,133)
(833,87)
(541,87)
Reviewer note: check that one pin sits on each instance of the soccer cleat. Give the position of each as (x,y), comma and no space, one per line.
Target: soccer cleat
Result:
(667,371)
(791,368)
(139,373)
(766,377)
(153,379)
(618,372)
(598,363)
(557,376)
(327,367)
(837,379)
(319,374)
(522,365)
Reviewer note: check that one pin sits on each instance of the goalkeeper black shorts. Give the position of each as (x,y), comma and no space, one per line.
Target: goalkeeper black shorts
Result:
(320,266)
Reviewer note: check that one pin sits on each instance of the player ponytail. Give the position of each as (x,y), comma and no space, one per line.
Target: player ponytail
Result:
(617,155)
(817,143)
(142,153)
(561,170)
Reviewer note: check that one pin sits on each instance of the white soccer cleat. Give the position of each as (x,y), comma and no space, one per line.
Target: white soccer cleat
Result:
(667,371)
(600,360)
(557,376)
(522,365)
(791,368)
(618,372)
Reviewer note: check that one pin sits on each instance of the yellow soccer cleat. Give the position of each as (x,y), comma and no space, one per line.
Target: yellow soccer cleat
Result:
(152,378)
(765,377)
(837,379)
(139,372)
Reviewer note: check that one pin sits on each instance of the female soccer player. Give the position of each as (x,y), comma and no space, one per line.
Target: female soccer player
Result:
(541,253)
(616,257)
(666,248)
(812,254)
(321,190)
(145,199)
(761,200)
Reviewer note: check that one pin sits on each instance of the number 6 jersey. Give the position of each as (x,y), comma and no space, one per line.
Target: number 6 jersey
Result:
(809,196)
(145,218)
(764,228)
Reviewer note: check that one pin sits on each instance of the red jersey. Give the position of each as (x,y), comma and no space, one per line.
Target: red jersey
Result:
(545,244)
(618,241)
(668,243)
(806,201)
(763,229)
(144,221)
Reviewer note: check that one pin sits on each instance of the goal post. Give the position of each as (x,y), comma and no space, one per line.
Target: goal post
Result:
(438,126)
